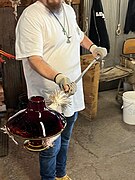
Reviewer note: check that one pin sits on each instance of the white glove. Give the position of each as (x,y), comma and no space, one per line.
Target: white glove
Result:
(98,51)
(63,81)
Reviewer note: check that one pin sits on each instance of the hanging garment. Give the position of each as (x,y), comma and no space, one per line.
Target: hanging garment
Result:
(130,18)
(98,32)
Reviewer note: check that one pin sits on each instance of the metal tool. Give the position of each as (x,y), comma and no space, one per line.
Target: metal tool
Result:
(87,68)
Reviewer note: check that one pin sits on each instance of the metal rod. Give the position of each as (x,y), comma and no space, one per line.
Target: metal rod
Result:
(87,68)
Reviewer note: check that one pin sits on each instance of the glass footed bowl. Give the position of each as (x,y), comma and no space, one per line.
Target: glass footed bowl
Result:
(36,123)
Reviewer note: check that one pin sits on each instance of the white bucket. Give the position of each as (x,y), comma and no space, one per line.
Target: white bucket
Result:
(129,107)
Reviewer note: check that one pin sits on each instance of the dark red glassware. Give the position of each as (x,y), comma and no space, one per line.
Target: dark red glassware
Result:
(36,121)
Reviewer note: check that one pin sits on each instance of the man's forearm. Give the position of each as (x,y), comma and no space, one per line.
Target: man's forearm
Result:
(44,69)
(41,67)
(86,43)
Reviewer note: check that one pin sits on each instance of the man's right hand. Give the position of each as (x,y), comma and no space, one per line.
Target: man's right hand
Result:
(65,84)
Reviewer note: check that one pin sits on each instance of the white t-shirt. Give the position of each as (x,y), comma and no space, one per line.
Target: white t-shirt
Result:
(38,32)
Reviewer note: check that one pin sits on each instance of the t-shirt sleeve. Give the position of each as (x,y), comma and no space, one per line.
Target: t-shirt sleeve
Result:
(81,34)
(79,31)
(29,39)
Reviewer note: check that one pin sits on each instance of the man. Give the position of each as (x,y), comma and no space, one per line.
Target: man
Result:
(48,43)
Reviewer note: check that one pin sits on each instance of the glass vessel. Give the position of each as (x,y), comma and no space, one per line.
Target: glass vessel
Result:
(36,123)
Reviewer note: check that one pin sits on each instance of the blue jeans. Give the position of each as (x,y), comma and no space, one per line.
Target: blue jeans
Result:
(53,160)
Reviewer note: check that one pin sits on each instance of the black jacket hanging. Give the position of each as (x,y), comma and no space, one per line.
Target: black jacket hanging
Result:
(130,18)
(98,32)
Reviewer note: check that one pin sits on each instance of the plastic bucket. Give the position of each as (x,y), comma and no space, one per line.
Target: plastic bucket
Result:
(129,107)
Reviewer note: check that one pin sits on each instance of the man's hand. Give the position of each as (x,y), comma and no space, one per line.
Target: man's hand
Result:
(98,51)
(65,84)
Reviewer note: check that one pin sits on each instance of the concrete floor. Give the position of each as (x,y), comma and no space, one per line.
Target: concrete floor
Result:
(101,149)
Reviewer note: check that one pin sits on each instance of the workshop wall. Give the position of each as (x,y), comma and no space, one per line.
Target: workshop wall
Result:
(115,12)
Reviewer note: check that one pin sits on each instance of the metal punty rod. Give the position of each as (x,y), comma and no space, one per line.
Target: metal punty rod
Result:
(87,68)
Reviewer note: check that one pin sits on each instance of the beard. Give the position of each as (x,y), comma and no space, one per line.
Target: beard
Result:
(53,5)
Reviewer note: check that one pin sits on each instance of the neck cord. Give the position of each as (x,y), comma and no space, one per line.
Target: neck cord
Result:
(63,28)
